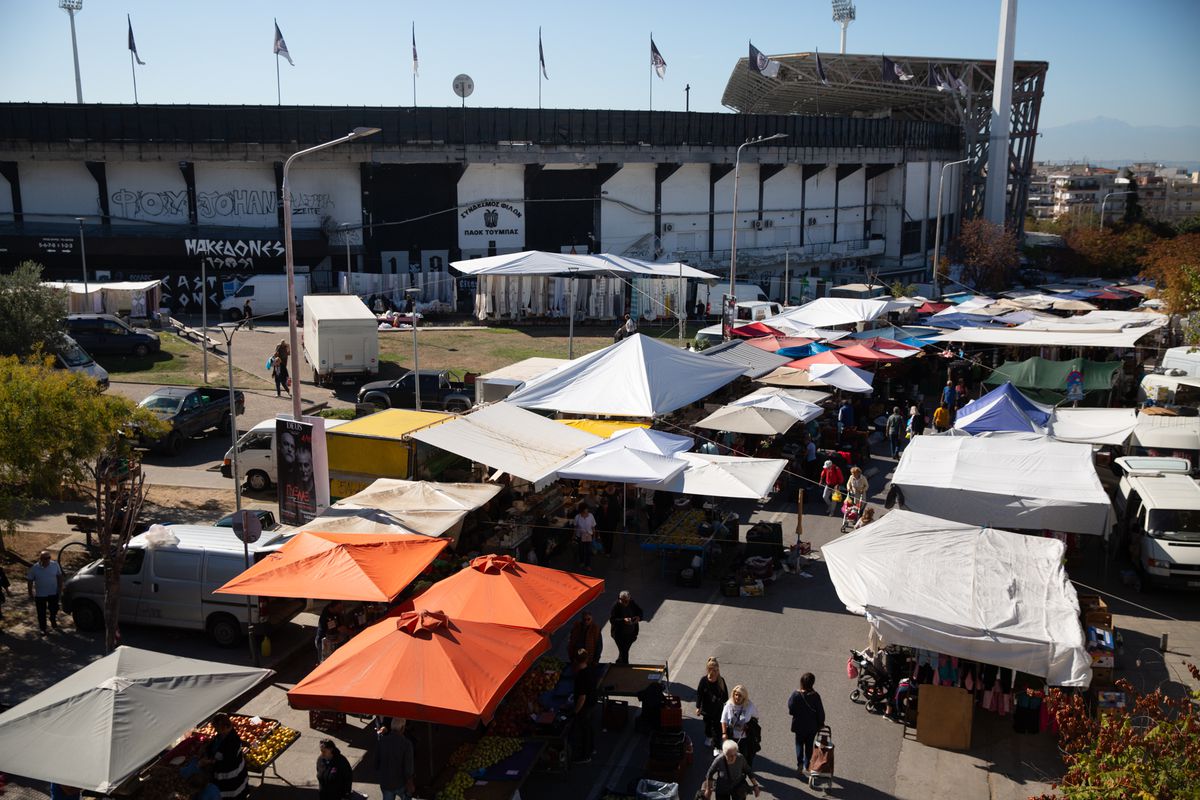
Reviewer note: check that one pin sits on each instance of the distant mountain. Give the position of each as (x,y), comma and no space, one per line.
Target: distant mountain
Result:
(1112,140)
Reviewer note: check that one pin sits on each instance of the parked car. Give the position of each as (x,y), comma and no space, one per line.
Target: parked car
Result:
(265,518)
(256,455)
(105,333)
(70,356)
(171,586)
(190,412)
(438,392)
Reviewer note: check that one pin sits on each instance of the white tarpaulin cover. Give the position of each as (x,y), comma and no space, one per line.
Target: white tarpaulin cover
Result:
(647,440)
(106,721)
(623,465)
(521,371)
(723,476)
(424,507)
(1168,433)
(636,377)
(1005,480)
(1093,425)
(982,594)
(512,440)
(1019,337)
(807,395)
(840,376)
(536,262)
(829,312)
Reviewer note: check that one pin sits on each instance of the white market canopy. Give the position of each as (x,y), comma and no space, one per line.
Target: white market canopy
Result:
(647,440)
(536,262)
(1168,433)
(982,594)
(511,440)
(1116,329)
(1094,425)
(521,371)
(829,312)
(723,476)
(97,727)
(623,465)
(841,376)
(434,509)
(807,395)
(1005,480)
(636,377)
(752,419)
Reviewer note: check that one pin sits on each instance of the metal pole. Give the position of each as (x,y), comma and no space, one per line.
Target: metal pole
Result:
(680,306)
(204,314)
(83,259)
(133,72)
(787,289)
(1104,201)
(687,97)
(737,167)
(844,26)
(571,318)
(416,357)
(937,230)
(278,90)
(237,481)
(75,52)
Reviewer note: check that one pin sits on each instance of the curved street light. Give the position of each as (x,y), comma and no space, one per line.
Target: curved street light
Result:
(737,165)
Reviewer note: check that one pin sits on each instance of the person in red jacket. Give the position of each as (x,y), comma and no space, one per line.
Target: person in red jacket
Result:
(831,478)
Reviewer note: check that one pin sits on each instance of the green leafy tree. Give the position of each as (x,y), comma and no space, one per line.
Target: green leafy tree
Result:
(901,289)
(56,425)
(989,254)
(30,312)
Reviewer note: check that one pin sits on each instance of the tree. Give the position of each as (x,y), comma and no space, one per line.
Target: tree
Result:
(30,312)
(989,254)
(901,289)
(56,424)
(1174,266)
(120,492)
(1150,749)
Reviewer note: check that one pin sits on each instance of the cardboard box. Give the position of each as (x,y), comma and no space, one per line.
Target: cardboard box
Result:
(752,589)
(1097,619)
(1102,676)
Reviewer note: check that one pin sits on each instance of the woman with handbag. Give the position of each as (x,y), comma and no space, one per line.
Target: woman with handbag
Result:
(831,479)
(736,718)
(808,715)
(730,776)
(711,694)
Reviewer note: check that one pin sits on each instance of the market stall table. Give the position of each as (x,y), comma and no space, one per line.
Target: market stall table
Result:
(676,535)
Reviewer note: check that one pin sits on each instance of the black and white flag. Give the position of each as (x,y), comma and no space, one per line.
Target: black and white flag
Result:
(893,72)
(281,46)
(957,82)
(761,64)
(657,61)
(937,79)
(542,55)
(132,44)
(416,71)
(821,69)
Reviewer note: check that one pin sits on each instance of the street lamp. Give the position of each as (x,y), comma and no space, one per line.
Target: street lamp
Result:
(83,259)
(937,231)
(345,228)
(737,165)
(843,14)
(294,336)
(229,329)
(412,319)
(1104,201)
(71,6)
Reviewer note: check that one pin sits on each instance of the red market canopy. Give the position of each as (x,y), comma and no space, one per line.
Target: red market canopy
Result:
(500,590)
(773,344)
(866,355)
(828,357)
(876,343)
(423,665)
(370,567)
(755,330)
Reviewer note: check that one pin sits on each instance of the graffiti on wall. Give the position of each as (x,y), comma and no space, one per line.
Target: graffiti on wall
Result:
(223,255)
(227,205)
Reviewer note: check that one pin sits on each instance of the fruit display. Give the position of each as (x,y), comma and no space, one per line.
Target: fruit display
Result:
(249,729)
(163,781)
(520,706)
(680,529)
(266,750)
(457,787)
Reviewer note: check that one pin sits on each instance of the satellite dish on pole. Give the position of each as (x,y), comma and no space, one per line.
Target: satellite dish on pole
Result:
(463,86)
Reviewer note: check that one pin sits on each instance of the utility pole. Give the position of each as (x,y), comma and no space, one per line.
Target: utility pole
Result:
(71,6)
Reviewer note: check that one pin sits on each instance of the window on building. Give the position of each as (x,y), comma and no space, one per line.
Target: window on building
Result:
(910,238)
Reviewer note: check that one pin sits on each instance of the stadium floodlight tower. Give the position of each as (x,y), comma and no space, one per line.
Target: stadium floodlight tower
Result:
(843,14)
(71,6)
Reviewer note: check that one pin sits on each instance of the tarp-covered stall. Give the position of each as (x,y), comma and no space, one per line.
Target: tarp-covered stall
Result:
(1003,409)
(1094,425)
(829,312)
(723,476)
(1005,480)
(499,384)
(1042,373)
(977,593)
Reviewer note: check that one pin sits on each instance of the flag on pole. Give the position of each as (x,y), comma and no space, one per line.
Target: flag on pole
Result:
(132,44)
(761,64)
(938,78)
(657,61)
(893,72)
(958,82)
(281,46)
(821,70)
(416,71)
(542,55)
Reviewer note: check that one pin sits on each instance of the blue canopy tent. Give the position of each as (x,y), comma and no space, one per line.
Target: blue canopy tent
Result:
(804,351)
(1004,409)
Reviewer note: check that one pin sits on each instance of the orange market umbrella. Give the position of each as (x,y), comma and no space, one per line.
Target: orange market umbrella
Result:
(422,665)
(340,566)
(828,357)
(498,589)
(866,355)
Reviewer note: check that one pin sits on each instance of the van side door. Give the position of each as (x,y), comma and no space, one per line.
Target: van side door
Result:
(172,596)
(132,583)
(220,569)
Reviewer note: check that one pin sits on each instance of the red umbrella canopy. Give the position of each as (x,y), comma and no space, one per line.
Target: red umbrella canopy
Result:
(875,343)
(827,357)
(423,665)
(866,355)
(932,308)
(774,344)
(754,330)
(501,590)
(371,567)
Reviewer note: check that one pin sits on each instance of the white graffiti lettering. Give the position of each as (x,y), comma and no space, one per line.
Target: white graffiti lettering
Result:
(136,203)
(234,248)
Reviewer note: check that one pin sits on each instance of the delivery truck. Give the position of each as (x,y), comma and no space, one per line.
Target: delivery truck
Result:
(378,446)
(341,338)
(267,295)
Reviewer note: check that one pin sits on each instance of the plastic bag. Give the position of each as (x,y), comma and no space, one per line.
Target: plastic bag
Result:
(160,536)
(657,790)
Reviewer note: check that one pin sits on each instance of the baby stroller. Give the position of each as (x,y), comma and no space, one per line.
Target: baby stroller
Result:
(851,511)
(820,765)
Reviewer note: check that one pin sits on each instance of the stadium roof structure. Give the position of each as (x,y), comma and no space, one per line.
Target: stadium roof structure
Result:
(949,90)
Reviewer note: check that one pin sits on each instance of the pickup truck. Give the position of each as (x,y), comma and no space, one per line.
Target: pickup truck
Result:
(438,392)
(190,412)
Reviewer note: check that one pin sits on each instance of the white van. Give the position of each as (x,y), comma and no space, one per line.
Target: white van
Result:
(1185,359)
(172,586)
(256,455)
(711,295)
(1159,522)
(267,295)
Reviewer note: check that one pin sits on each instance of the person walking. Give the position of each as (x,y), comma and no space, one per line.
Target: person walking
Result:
(894,429)
(916,421)
(584,690)
(45,580)
(585,635)
(248,314)
(941,418)
(5,591)
(739,719)
(845,417)
(335,778)
(831,478)
(857,487)
(394,761)
(730,775)
(948,394)
(961,397)
(223,755)
(808,717)
(711,695)
(585,532)
(623,624)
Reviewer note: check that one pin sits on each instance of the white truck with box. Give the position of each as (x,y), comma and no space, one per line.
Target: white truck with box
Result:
(267,295)
(1158,512)
(341,338)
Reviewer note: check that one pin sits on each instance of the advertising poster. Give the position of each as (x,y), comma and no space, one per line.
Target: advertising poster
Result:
(303,469)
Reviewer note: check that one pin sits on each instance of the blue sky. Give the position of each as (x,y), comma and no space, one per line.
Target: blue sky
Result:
(1134,61)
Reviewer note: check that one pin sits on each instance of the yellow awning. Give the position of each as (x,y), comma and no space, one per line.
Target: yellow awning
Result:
(392,423)
(602,427)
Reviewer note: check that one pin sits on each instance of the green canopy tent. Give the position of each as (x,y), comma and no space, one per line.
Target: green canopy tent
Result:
(1046,381)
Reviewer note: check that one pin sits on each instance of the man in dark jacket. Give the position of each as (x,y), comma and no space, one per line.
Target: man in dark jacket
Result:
(623,623)
(394,761)
(808,717)
(334,773)
(224,756)
(585,635)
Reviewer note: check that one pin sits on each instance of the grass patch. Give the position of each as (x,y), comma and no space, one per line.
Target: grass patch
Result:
(177,363)
(337,413)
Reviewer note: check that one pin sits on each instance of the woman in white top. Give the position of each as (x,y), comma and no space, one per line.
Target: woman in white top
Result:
(857,487)
(736,715)
(585,531)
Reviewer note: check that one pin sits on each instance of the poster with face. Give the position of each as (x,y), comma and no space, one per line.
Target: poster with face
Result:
(303,469)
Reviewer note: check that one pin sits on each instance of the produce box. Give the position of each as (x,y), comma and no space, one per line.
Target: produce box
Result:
(754,589)
(326,721)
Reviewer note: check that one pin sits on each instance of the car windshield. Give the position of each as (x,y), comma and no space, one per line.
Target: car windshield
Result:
(1177,524)
(73,355)
(163,404)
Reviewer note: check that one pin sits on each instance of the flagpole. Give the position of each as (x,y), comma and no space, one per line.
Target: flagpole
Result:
(278,90)
(414,47)
(652,70)
(133,72)
(540,68)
